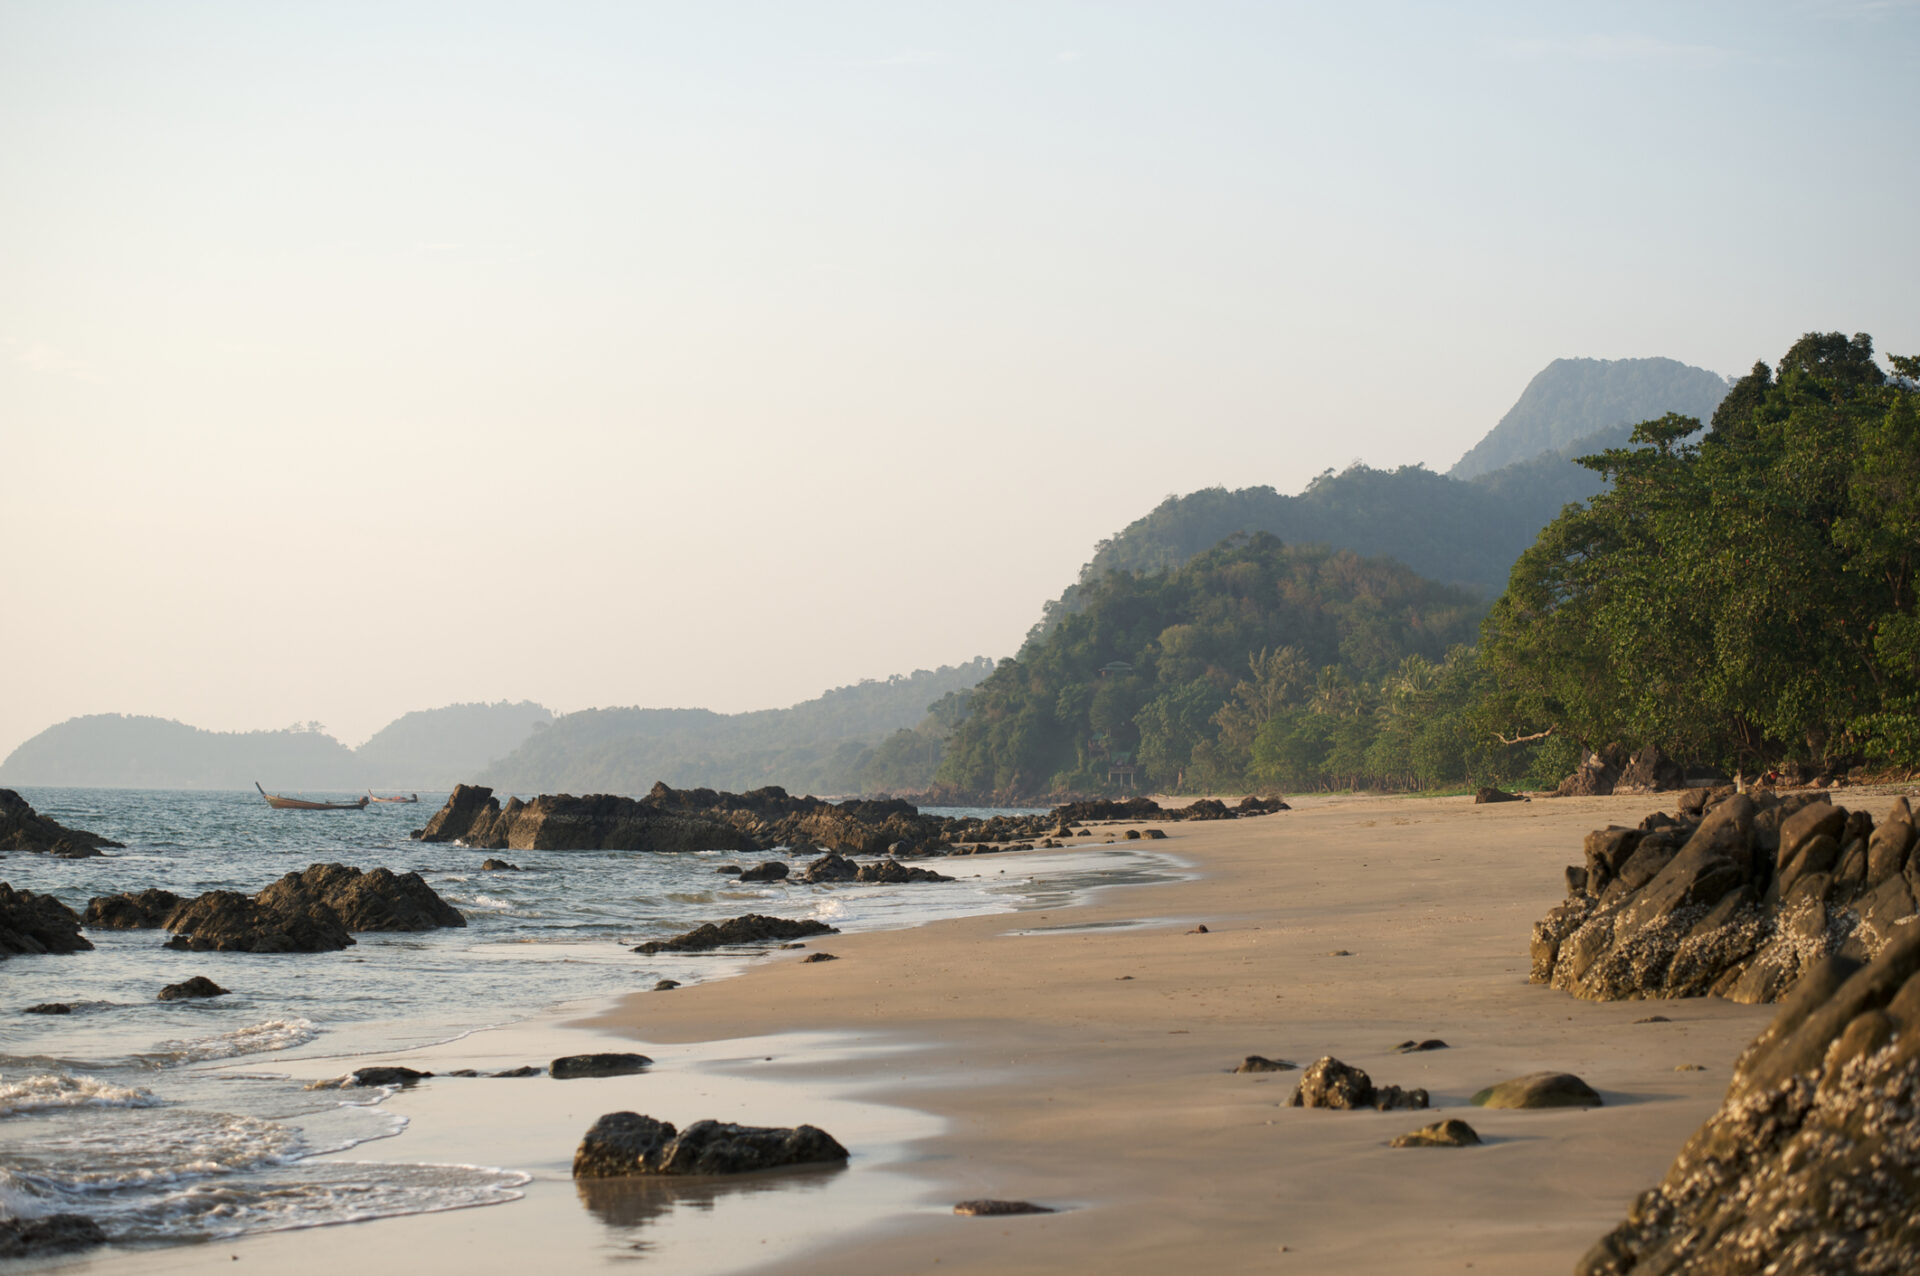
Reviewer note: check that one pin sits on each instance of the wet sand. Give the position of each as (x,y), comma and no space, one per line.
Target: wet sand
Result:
(1080,1058)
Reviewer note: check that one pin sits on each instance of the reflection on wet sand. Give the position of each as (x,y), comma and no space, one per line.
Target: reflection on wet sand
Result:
(633,1203)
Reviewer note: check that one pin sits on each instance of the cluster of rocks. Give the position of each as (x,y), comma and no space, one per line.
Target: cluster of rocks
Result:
(1329,1083)
(1812,1163)
(48,1234)
(669,819)
(625,1143)
(32,924)
(753,928)
(307,912)
(1735,894)
(24,829)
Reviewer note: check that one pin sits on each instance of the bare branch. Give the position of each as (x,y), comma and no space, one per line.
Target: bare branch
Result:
(1527,739)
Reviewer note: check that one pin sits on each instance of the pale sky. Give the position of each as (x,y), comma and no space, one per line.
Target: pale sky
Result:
(359,358)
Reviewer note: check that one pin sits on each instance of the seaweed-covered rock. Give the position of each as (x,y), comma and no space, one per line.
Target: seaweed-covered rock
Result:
(1329,1083)
(147,910)
(626,1143)
(752,928)
(1736,895)
(32,924)
(1812,1163)
(1539,1090)
(606,1064)
(24,829)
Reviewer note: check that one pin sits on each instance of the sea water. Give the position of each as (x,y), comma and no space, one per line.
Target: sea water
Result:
(179,1121)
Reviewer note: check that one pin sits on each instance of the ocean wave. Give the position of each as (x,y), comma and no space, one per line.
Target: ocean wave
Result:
(61,1090)
(317,1194)
(259,1038)
(159,1149)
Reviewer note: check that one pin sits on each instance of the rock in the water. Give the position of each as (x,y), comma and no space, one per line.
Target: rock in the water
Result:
(626,1143)
(1260,1063)
(770,871)
(524,1070)
(1000,1209)
(311,911)
(1450,1133)
(1539,1090)
(753,928)
(32,924)
(384,1076)
(1736,895)
(666,985)
(1329,1083)
(892,871)
(491,865)
(198,986)
(813,957)
(611,1064)
(1812,1163)
(49,1234)
(1490,794)
(49,1008)
(832,868)
(147,910)
(24,829)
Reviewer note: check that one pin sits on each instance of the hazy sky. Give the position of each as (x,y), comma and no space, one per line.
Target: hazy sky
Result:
(363,358)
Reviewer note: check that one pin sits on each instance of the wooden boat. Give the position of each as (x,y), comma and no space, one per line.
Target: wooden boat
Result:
(301,804)
(411,797)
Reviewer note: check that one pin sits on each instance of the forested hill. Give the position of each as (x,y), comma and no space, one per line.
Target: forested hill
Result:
(822,746)
(1572,398)
(431,748)
(1448,528)
(1178,674)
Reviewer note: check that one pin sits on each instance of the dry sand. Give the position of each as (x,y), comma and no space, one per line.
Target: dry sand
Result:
(1080,1058)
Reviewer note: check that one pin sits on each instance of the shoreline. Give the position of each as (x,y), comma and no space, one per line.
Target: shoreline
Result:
(1014,1057)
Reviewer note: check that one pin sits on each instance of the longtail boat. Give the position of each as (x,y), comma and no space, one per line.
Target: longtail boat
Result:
(411,797)
(301,804)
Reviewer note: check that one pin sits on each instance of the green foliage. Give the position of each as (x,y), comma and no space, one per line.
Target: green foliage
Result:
(1255,663)
(1745,599)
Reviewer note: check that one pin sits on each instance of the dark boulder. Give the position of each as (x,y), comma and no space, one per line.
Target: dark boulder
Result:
(1260,1063)
(388,1075)
(147,910)
(1594,778)
(227,921)
(832,868)
(626,1143)
(49,1008)
(48,1234)
(381,900)
(1329,1083)
(813,957)
(31,924)
(1108,809)
(1490,794)
(610,1064)
(1812,1163)
(1650,771)
(24,829)
(198,986)
(770,871)
(753,928)
(893,872)
(491,865)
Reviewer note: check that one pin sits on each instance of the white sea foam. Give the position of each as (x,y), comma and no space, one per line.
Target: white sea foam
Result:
(259,1038)
(45,1090)
(318,1193)
(492,901)
(167,1147)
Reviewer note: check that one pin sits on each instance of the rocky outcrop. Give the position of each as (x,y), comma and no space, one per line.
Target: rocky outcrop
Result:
(147,910)
(1594,778)
(1650,771)
(1488,794)
(1260,1063)
(312,911)
(32,924)
(198,986)
(753,928)
(24,829)
(1329,1083)
(626,1143)
(1812,1163)
(1735,894)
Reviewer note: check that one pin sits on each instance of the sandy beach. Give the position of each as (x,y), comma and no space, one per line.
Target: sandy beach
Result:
(1080,1057)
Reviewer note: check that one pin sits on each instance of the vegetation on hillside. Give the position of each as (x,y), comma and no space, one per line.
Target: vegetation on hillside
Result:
(1749,598)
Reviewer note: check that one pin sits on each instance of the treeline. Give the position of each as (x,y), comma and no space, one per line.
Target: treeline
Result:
(1741,594)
